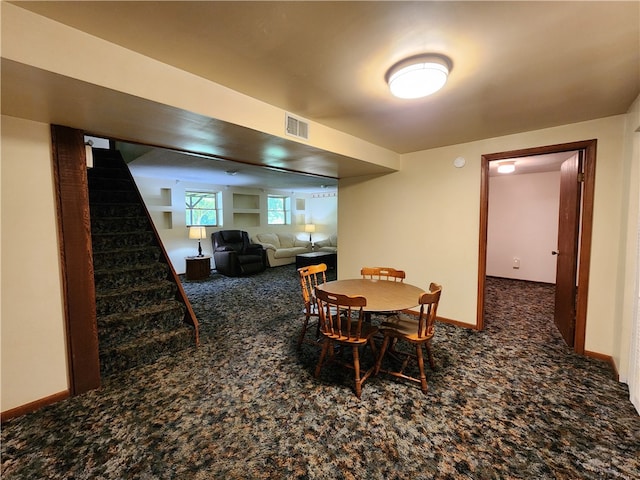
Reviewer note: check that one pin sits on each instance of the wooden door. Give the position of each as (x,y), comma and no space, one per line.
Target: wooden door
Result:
(567,252)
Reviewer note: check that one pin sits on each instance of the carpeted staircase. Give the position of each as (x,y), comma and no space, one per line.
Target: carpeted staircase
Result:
(139,311)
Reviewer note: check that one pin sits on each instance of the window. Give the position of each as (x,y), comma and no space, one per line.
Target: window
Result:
(278,210)
(202,209)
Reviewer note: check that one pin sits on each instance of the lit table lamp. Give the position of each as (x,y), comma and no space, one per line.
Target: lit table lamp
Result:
(198,233)
(310,228)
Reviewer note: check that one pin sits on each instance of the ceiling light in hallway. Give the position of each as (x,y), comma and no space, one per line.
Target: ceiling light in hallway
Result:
(506,167)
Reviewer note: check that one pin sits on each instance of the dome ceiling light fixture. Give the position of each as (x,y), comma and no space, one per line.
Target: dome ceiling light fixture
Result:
(506,167)
(418,76)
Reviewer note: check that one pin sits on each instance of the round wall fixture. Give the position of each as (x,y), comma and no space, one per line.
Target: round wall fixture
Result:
(418,76)
(459,162)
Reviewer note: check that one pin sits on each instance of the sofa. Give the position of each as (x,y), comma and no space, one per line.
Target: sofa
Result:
(281,248)
(327,245)
(234,255)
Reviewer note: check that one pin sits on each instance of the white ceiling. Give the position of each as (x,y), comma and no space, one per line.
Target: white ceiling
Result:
(517,65)
(184,167)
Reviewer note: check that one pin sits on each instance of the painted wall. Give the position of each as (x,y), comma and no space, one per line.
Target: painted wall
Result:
(628,263)
(322,211)
(33,362)
(165,201)
(523,224)
(428,225)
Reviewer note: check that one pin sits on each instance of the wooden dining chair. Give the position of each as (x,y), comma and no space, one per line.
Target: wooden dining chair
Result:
(383,273)
(310,277)
(417,331)
(342,323)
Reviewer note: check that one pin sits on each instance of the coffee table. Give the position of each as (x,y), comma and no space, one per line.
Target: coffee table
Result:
(314,258)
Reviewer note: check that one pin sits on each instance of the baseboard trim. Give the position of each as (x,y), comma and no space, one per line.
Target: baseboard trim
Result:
(450,321)
(33,406)
(605,358)
(457,323)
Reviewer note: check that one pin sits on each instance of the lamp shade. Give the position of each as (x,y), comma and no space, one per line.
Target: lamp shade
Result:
(197,233)
(418,76)
(310,228)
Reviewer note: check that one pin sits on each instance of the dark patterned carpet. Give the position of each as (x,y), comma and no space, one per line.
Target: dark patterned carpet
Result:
(511,402)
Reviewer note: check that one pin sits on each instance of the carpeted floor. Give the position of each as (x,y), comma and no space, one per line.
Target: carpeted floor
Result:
(510,402)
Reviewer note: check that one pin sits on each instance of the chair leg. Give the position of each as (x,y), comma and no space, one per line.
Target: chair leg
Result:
(305,325)
(423,377)
(325,347)
(356,367)
(385,344)
(431,362)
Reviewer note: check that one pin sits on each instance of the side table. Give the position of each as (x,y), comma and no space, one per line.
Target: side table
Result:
(198,268)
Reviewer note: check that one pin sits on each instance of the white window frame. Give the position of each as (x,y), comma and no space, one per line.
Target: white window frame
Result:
(190,209)
(286,211)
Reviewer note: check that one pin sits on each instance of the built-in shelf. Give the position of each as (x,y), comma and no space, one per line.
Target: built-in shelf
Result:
(167,220)
(165,197)
(246,219)
(246,210)
(162,219)
(245,201)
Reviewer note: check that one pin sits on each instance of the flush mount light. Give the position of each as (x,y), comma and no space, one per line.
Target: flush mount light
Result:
(506,167)
(418,76)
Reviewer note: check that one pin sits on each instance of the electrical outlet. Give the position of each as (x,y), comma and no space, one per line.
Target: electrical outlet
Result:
(516,262)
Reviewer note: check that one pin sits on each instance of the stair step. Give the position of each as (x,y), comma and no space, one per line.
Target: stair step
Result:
(111,182)
(101,225)
(145,350)
(105,159)
(110,169)
(105,259)
(112,196)
(118,328)
(129,275)
(128,299)
(117,240)
(108,209)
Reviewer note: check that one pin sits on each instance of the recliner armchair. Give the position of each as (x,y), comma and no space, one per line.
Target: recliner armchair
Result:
(234,255)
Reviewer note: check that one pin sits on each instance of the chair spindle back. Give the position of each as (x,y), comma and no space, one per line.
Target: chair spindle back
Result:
(310,278)
(383,273)
(341,316)
(428,309)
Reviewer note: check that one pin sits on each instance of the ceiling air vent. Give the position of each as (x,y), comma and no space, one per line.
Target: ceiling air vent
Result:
(296,127)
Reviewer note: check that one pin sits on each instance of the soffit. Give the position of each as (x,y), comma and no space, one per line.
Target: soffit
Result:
(518,66)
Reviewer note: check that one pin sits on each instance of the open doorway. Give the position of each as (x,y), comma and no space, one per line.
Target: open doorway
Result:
(574,314)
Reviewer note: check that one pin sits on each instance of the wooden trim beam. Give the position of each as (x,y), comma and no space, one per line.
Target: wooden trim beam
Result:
(76,258)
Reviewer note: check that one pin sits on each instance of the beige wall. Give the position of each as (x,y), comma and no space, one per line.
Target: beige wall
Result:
(33,360)
(427,223)
(627,292)
(523,223)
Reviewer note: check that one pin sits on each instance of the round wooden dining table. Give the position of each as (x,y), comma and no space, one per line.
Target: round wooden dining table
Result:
(381,295)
